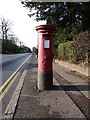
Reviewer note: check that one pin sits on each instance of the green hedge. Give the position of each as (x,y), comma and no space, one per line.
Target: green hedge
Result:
(66,51)
(77,51)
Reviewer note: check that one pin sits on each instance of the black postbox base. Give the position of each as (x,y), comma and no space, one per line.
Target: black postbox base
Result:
(45,80)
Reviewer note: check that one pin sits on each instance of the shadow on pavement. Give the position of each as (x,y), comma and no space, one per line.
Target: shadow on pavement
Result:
(71,88)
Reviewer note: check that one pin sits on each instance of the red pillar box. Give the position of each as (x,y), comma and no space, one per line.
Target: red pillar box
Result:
(45,41)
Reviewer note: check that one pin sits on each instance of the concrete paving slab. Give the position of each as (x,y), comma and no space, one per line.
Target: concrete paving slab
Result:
(60,103)
(53,103)
(74,80)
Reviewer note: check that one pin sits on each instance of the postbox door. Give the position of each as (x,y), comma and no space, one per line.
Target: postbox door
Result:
(45,52)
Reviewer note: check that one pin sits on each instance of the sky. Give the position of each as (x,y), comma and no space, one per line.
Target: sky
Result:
(23,26)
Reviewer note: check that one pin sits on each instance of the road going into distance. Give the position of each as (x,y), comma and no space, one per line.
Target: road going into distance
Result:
(11,70)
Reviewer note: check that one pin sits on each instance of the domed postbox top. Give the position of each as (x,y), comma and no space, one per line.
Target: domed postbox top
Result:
(45,27)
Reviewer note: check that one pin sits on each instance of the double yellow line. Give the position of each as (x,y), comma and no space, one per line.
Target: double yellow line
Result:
(12,79)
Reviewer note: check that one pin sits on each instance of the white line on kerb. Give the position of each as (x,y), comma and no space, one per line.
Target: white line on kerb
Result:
(9,112)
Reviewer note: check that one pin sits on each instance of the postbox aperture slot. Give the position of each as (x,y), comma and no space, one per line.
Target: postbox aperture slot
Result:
(46,43)
(44,32)
(46,35)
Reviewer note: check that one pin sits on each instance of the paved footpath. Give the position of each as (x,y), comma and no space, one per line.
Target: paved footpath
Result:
(60,102)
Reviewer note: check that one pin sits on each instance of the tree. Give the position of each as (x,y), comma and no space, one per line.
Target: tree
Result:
(5,27)
(34,50)
(60,14)
(8,46)
(69,18)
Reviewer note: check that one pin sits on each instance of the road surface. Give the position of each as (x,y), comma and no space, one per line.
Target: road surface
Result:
(11,65)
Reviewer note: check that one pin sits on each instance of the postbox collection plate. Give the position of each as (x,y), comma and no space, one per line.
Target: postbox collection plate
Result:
(46,43)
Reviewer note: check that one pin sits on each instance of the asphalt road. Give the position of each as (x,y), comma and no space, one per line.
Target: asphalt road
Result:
(9,64)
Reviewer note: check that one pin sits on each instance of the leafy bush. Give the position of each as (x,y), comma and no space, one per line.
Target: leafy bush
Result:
(82,46)
(77,51)
(66,51)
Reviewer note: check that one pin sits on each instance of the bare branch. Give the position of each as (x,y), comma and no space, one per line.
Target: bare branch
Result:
(5,27)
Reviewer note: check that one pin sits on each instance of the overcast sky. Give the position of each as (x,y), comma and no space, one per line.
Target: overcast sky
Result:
(24,26)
